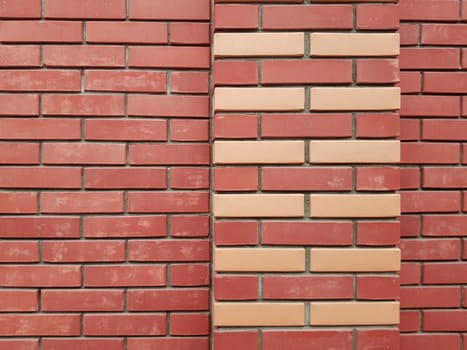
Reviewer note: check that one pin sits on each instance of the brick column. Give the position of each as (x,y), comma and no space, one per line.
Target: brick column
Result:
(305,172)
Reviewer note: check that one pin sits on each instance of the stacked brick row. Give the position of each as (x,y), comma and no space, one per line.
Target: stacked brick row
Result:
(433,129)
(104,174)
(305,174)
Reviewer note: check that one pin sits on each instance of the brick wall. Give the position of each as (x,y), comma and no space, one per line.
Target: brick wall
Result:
(104,174)
(433,227)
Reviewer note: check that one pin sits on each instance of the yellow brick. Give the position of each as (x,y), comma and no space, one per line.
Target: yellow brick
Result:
(355,259)
(355,151)
(259,152)
(258,205)
(354,99)
(259,99)
(259,44)
(354,44)
(354,313)
(259,259)
(258,314)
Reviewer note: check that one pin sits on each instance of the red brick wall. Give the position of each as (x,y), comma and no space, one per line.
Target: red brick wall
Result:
(104,174)
(433,129)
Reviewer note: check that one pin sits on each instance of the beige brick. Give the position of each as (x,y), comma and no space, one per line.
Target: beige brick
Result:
(259,99)
(354,313)
(354,205)
(355,151)
(259,152)
(259,44)
(258,314)
(349,99)
(354,44)
(258,205)
(259,259)
(355,259)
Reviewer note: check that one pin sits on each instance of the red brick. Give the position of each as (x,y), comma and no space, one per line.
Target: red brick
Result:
(189,130)
(306,233)
(445,273)
(40,325)
(429,153)
(378,71)
(81,202)
(235,233)
(233,340)
(235,126)
(236,16)
(20,9)
(83,153)
(464,106)
(39,80)
(307,17)
(235,178)
(445,177)
(464,51)
(189,226)
(39,227)
(410,178)
(235,287)
(410,225)
(176,10)
(169,250)
(315,71)
(185,343)
(440,129)
(82,300)
(452,320)
(18,202)
(430,297)
(189,324)
(306,125)
(378,179)
(377,17)
(306,179)
(19,251)
(82,344)
(19,55)
(41,31)
(16,104)
(409,130)
(145,324)
(39,276)
(444,225)
(168,300)
(235,72)
(377,287)
(83,251)
(84,56)
(174,154)
(377,125)
(444,34)
(430,106)
(125,178)
(429,341)
(125,275)
(429,10)
(85,9)
(126,32)
(189,275)
(125,81)
(168,202)
(307,287)
(430,201)
(409,321)
(34,177)
(410,82)
(189,178)
(39,129)
(301,340)
(18,301)
(19,153)
(176,106)
(168,57)
(375,233)
(410,273)
(125,226)
(83,105)
(189,82)
(126,130)
(429,58)
(445,82)
(409,33)
(378,339)
(189,33)
(430,249)
(20,344)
